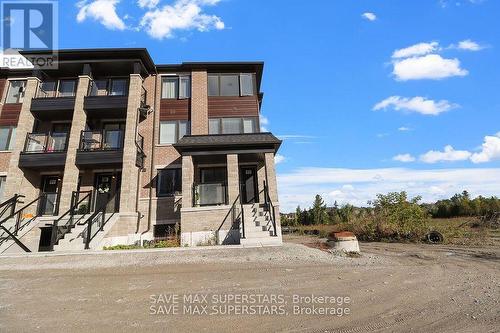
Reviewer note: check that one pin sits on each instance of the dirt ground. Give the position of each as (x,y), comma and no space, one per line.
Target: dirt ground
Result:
(390,288)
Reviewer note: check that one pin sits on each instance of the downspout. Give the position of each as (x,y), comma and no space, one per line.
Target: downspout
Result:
(151,171)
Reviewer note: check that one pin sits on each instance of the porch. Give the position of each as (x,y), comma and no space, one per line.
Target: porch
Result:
(224,177)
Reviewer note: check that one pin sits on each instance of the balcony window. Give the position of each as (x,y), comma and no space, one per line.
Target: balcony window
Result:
(169,182)
(118,87)
(99,88)
(47,89)
(15,94)
(231,84)
(174,87)
(67,88)
(7,137)
(232,125)
(46,142)
(172,131)
(212,189)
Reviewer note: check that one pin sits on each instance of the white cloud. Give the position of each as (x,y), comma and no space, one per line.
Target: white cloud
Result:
(161,23)
(448,155)
(469,45)
(264,122)
(103,11)
(416,104)
(416,50)
(148,3)
(490,150)
(369,16)
(299,187)
(430,66)
(404,129)
(295,136)
(405,158)
(278,158)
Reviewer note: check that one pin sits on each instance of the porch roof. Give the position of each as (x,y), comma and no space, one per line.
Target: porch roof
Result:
(228,143)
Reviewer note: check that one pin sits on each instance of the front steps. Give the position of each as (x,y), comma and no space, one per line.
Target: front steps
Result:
(258,227)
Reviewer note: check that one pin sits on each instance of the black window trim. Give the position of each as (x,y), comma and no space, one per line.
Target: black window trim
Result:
(240,94)
(174,193)
(178,78)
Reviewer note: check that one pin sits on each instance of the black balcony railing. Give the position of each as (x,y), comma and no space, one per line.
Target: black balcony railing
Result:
(52,142)
(57,89)
(139,162)
(101,140)
(209,194)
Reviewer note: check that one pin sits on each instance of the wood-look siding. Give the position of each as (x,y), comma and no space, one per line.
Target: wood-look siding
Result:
(2,86)
(175,109)
(10,114)
(245,106)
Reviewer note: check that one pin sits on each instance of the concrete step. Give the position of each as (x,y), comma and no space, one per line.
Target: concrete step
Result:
(262,241)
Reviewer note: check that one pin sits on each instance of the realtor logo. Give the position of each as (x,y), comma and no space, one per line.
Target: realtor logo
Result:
(29,26)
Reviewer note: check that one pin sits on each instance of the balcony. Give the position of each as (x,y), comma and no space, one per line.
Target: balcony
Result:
(44,150)
(109,95)
(100,148)
(209,194)
(54,104)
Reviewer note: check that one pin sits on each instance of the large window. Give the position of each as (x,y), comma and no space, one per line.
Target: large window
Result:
(7,137)
(67,88)
(174,87)
(169,182)
(118,87)
(232,125)
(231,84)
(171,131)
(15,94)
(2,186)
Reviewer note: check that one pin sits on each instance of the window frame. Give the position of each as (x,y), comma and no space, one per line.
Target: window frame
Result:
(240,91)
(177,175)
(241,125)
(20,98)
(10,138)
(177,130)
(178,78)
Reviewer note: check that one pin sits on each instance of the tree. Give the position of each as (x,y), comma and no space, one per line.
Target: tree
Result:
(318,211)
(298,216)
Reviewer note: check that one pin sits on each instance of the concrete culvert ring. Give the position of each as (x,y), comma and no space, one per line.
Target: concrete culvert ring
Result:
(435,237)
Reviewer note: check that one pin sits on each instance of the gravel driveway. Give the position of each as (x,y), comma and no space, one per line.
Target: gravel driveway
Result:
(391,287)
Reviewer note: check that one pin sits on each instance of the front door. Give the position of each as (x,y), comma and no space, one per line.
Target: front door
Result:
(50,192)
(248,181)
(105,192)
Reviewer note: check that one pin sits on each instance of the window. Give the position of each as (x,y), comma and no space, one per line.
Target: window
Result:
(172,131)
(232,125)
(230,84)
(246,84)
(2,186)
(67,88)
(16,92)
(213,175)
(168,182)
(118,87)
(48,89)
(7,138)
(173,87)
(99,88)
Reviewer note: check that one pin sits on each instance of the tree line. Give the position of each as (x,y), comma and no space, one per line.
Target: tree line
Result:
(459,205)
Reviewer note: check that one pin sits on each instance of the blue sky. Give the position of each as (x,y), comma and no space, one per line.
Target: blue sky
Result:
(367,95)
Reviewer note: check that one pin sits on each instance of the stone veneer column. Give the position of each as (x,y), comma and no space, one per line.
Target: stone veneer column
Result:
(130,172)
(71,171)
(187,181)
(233,178)
(16,181)
(271,177)
(199,103)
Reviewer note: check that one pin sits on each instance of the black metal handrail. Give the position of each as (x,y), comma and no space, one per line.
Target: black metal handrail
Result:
(144,96)
(17,214)
(234,218)
(141,155)
(58,232)
(43,142)
(270,207)
(102,211)
(96,140)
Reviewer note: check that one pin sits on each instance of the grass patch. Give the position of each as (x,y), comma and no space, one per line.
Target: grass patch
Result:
(147,245)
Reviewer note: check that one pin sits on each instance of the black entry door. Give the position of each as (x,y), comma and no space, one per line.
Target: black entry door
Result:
(248,180)
(105,190)
(50,192)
